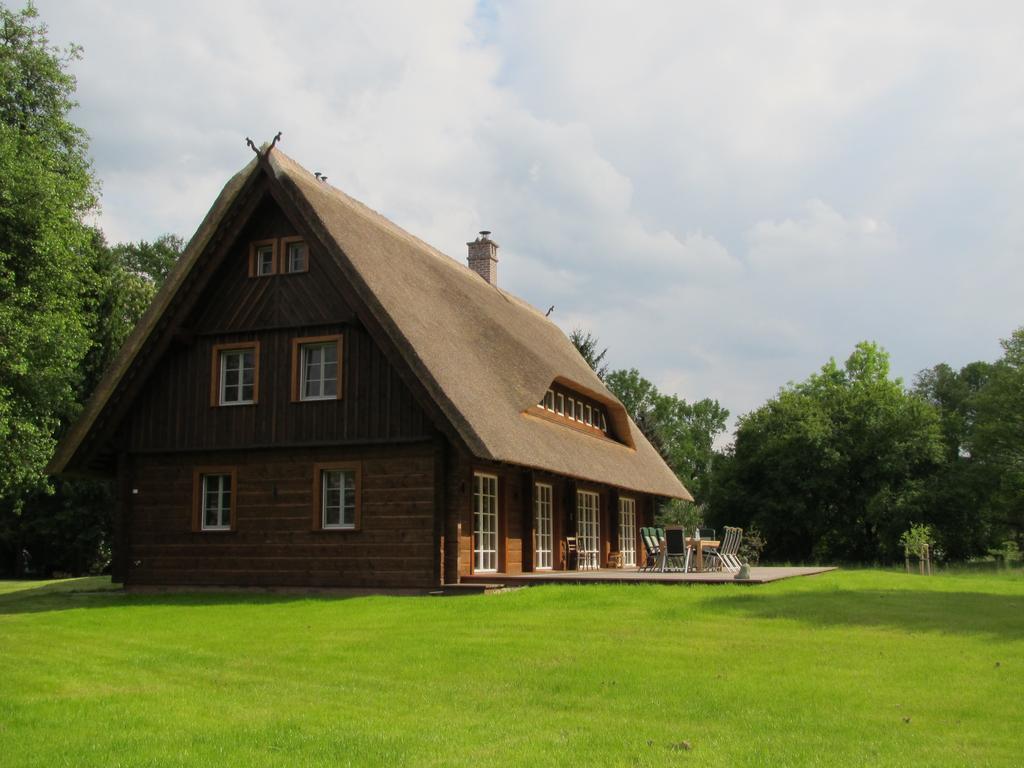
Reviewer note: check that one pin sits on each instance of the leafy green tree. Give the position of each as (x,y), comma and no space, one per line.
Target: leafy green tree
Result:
(997,440)
(684,433)
(46,190)
(956,499)
(587,345)
(831,468)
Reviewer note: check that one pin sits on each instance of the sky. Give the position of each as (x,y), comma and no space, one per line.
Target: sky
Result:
(725,194)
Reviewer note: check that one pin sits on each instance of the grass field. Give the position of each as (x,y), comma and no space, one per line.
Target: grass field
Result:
(853,668)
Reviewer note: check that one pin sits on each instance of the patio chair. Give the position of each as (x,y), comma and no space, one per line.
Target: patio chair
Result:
(723,557)
(572,555)
(652,548)
(706,533)
(733,555)
(677,549)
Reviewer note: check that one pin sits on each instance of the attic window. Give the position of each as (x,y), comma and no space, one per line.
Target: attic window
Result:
(573,409)
(262,258)
(295,255)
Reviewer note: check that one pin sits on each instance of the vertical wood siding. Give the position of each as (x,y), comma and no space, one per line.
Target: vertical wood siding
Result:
(173,410)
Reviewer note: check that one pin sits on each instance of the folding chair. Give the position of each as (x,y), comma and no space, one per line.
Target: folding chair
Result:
(651,549)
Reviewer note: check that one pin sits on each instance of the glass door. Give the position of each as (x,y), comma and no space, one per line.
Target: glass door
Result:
(627,531)
(542,526)
(588,528)
(485,523)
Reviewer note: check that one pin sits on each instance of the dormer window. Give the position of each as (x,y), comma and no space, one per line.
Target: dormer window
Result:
(576,410)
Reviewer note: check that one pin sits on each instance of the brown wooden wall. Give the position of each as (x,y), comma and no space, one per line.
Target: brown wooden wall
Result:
(274,543)
(173,410)
(174,413)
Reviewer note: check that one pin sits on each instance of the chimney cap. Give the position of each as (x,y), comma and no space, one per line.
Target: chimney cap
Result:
(485,233)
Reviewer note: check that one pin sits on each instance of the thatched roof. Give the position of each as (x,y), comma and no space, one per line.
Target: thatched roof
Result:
(483,355)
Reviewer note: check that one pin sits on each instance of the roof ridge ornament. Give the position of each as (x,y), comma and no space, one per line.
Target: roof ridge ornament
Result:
(262,154)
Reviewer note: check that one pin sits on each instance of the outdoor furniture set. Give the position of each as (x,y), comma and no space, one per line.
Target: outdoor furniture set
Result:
(670,549)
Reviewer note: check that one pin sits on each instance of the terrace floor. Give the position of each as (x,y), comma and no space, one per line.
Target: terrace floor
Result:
(758,575)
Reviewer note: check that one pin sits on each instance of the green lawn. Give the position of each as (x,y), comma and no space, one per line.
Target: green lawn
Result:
(851,668)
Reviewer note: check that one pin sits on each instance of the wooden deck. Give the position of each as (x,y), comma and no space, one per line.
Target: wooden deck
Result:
(758,575)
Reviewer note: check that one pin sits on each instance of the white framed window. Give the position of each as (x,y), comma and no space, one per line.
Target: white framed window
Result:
(588,528)
(485,522)
(337,498)
(216,509)
(579,411)
(588,416)
(265,260)
(571,412)
(549,401)
(318,371)
(604,422)
(560,404)
(542,526)
(262,258)
(627,530)
(236,374)
(296,256)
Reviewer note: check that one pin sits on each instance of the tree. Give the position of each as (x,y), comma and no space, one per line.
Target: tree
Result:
(997,440)
(684,433)
(46,190)
(832,467)
(587,345)
(956,499)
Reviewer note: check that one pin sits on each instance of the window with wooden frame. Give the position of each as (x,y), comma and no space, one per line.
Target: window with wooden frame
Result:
(213,499)
(337,496)
(236,374)
(294,255)
(263,258)
(316,368)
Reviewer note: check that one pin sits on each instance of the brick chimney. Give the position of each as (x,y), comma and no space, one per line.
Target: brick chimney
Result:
(483,257)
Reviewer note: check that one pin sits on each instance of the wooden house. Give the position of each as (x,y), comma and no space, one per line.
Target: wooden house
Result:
(318,398)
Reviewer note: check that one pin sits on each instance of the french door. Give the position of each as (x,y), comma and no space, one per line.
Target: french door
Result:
(485,522)
(588,528)
(627,531)
(542,526)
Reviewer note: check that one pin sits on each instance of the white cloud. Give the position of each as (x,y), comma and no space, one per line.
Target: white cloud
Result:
(726,195)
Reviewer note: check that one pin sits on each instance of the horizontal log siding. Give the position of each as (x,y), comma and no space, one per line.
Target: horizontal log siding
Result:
(274,543)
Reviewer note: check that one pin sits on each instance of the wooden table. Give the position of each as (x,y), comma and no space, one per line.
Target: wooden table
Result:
(698,546)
